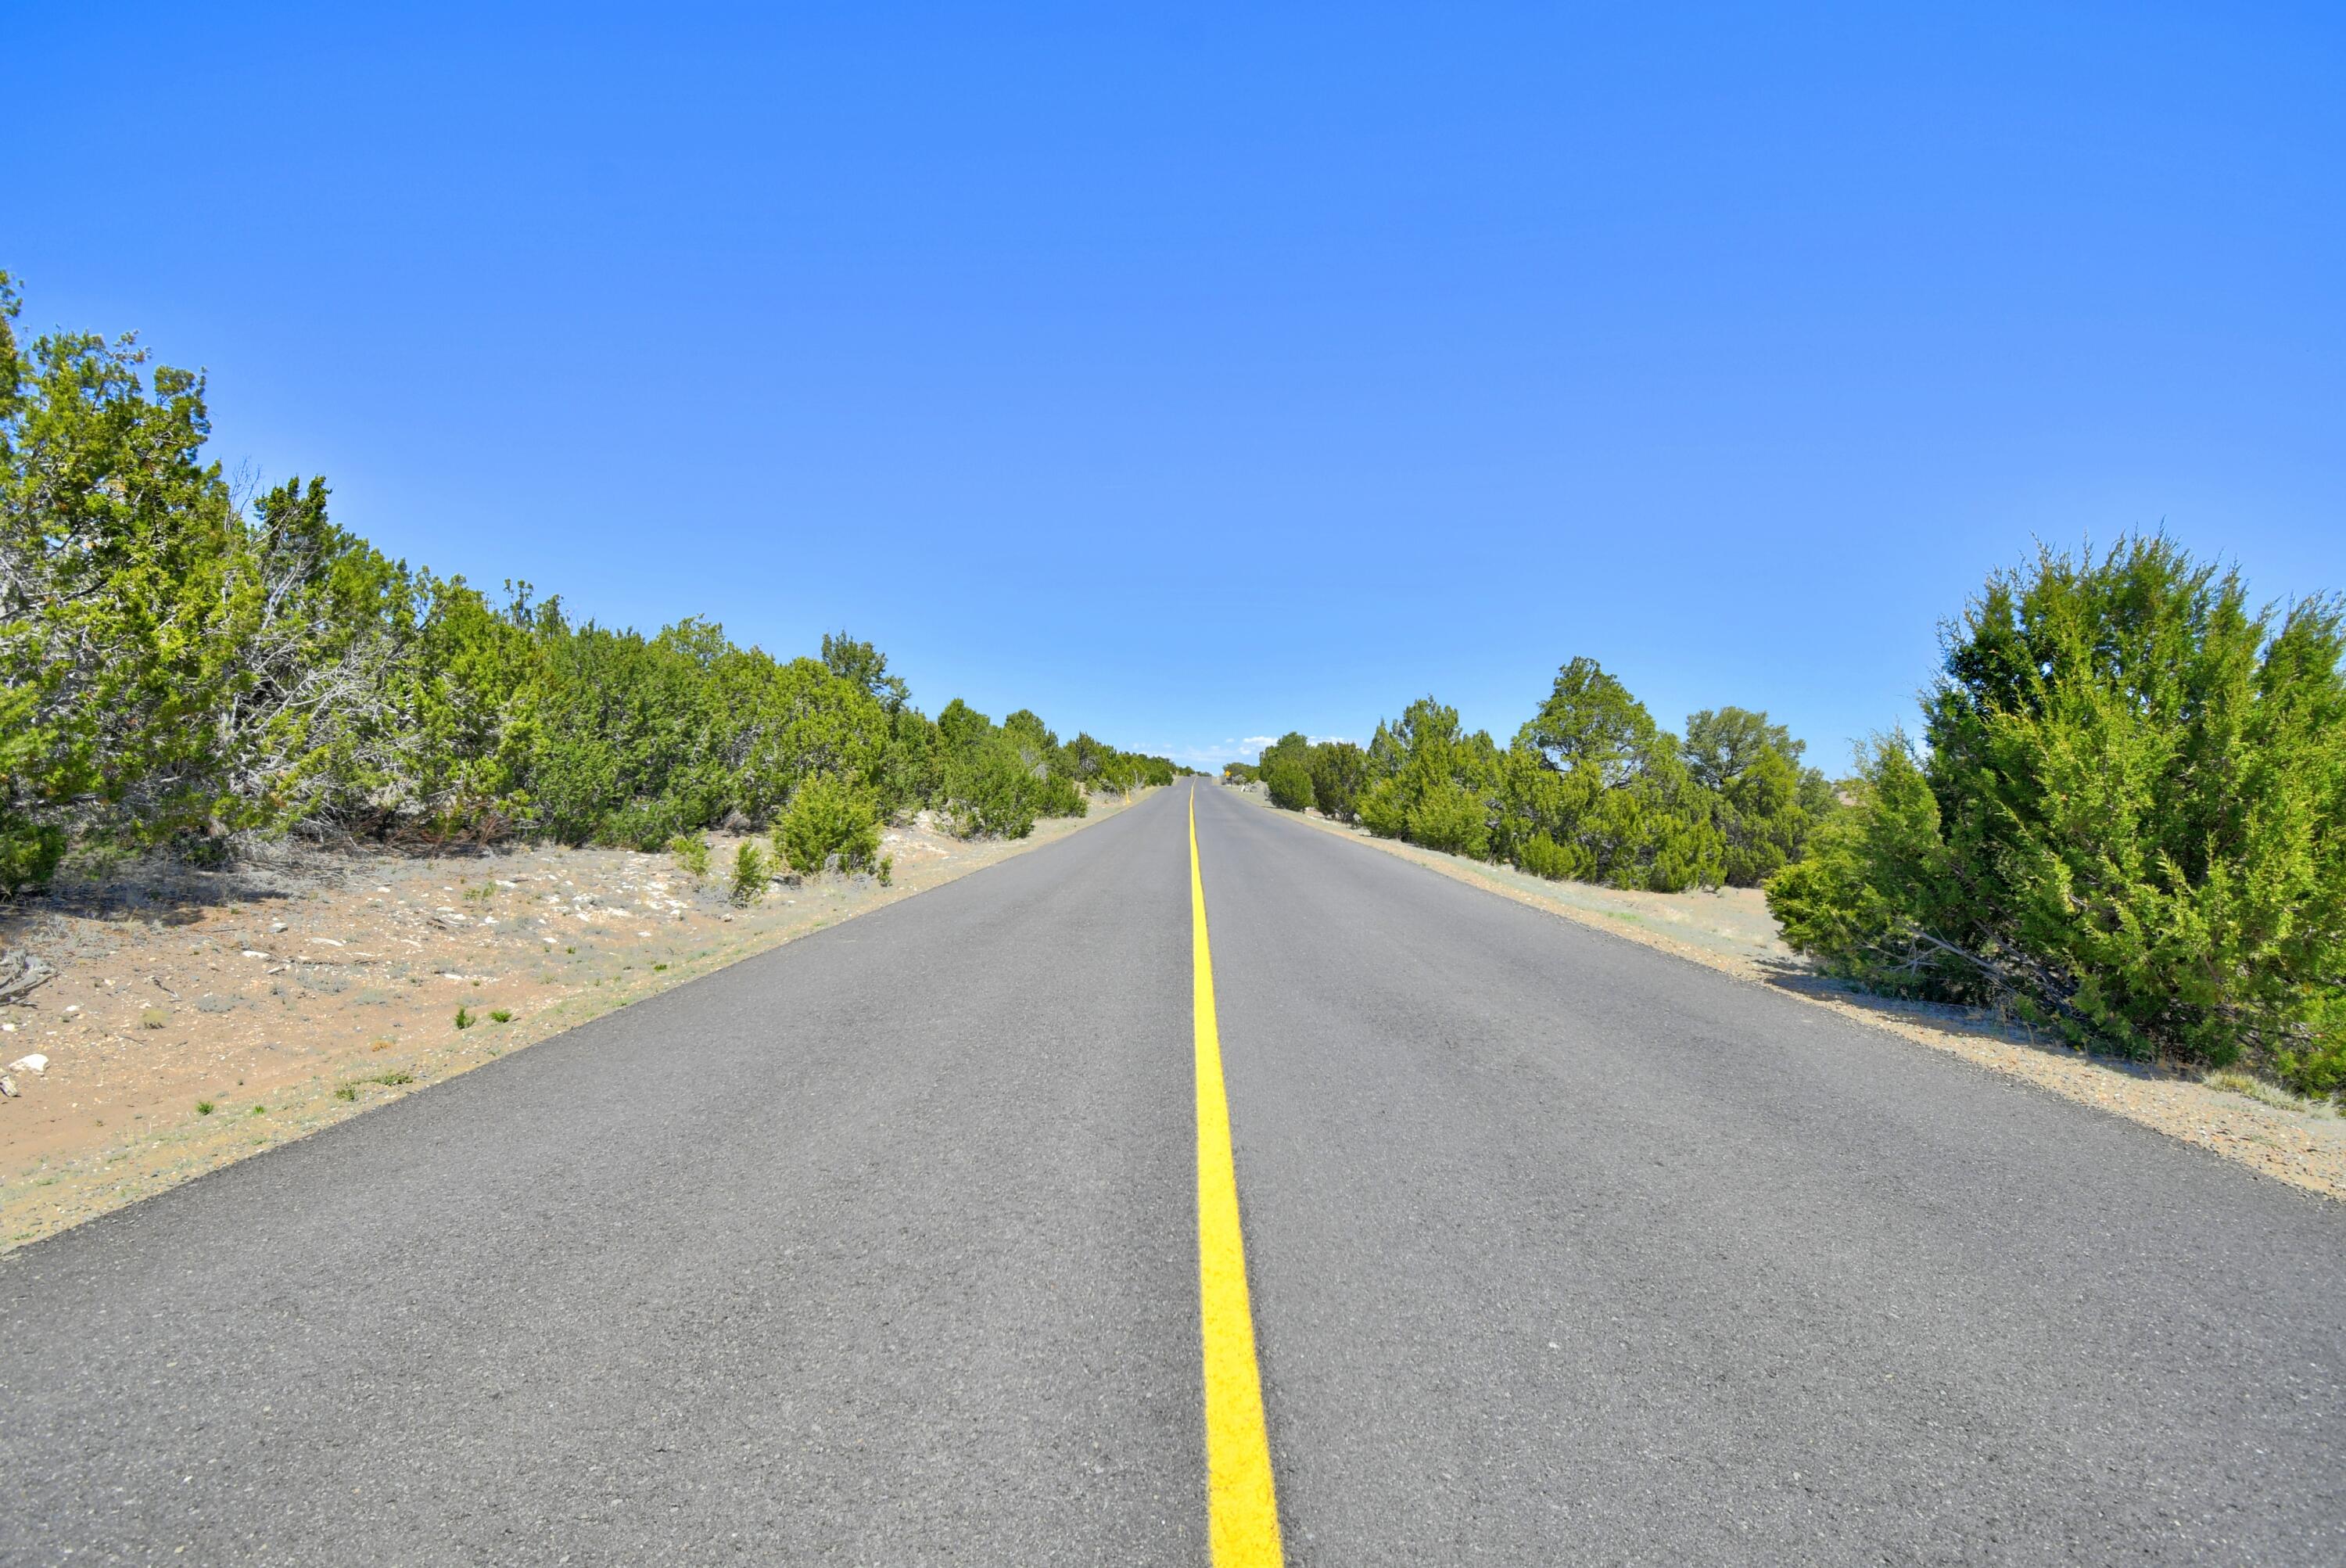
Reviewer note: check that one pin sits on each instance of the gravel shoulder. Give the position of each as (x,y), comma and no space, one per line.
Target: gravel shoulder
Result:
(1730,931)
(289,998)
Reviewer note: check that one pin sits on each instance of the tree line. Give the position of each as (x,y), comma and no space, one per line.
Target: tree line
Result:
(179,664)
(2124,819)
(1591,789)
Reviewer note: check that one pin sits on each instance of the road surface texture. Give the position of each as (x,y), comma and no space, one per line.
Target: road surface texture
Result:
(881,1248)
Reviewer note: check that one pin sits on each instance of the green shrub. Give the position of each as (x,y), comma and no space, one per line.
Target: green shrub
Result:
(1449,818)
(29,854)
(2130,820)
(1339,771)
(826,819)
(1056,796)
(464,1019)
(750,874)
(646,825)
(1544,857)
(691,852)
(1383,810)
(1290,783)
(988,793)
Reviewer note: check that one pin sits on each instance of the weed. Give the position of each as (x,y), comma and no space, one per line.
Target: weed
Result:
(379,1045)
(204,1107)
(464,1018)
(500,1015)
(887,869)
(259,1110)
(393,1079)
(153,1018)
(657,967)
(2233,1081)
(570,949)
(347,1092)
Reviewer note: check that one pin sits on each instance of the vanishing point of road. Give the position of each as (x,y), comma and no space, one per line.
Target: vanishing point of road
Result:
(927,1240)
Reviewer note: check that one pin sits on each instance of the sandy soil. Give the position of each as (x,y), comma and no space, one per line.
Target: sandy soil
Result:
(2301,1144)
(288,997)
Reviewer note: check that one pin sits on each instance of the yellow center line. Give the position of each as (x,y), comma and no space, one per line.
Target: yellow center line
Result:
(1241,1512)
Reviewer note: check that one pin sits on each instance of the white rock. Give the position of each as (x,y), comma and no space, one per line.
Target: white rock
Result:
(36,1063)
(8,1086)
(254,952)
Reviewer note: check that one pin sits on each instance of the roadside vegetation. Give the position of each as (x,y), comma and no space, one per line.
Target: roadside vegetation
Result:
(2124,822)
(2125,819)
(183,665)
(1591,789)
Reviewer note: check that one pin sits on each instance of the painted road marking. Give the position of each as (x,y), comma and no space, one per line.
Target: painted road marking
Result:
(1241,1512)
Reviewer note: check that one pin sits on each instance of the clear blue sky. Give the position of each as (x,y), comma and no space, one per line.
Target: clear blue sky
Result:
(1194,376)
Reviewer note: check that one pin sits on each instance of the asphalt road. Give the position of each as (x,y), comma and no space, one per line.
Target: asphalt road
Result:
(882,1249)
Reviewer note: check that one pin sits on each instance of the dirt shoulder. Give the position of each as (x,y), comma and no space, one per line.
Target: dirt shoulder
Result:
(292,997)
(1730,931)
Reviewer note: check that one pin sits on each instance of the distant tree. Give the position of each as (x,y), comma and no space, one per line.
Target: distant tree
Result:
(1622,803)
(1764,803)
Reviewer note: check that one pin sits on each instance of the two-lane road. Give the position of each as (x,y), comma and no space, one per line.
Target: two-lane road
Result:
(882,1248)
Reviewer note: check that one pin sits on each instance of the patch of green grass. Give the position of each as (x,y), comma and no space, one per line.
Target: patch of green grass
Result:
(204,1107)
(259,1110)
(396,1078)
(501,1016)
(464,1018)
(347,1092)
(657,967)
